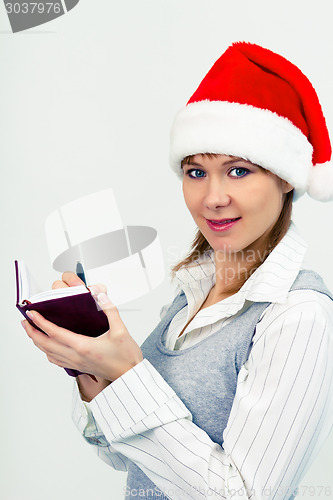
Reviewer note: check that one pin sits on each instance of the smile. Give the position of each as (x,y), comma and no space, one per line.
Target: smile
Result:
(222,224)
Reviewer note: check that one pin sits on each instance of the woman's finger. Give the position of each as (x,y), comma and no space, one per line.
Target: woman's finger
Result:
(97,289)
(56,361)
(55,351)
(61,335)
(59,284)
(40,340)
(115,322)
(71,279)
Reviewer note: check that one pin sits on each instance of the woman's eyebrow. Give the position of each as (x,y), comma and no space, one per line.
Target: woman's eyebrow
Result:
(234,160)
(193,163)
(228,162)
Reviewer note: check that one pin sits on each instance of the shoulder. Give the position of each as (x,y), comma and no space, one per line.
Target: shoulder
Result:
(308,300)
(304,309)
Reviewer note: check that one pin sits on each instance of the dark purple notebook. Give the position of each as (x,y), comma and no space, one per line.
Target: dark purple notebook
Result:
(77,313)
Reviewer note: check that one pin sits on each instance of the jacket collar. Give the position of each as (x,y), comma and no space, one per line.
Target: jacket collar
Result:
(269,283)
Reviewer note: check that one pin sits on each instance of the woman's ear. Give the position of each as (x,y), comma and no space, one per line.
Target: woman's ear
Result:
(286,187)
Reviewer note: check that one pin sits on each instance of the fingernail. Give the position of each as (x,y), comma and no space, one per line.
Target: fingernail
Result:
(103,299)
(94,290)
(30,315)
(22,323)
(97,289)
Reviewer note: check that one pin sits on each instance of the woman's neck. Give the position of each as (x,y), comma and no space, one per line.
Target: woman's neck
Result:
(233,267)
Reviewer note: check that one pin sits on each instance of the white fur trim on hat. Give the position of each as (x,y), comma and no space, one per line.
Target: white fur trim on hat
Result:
(320,182)
(258,135)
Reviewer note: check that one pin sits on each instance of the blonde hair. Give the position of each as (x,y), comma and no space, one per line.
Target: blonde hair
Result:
(200,245)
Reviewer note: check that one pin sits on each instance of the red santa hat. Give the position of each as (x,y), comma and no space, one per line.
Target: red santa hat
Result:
(257,105)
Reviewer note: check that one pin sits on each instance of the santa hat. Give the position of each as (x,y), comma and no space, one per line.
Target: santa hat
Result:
(257,105)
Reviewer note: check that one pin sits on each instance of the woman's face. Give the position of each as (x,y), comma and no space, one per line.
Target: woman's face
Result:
(225,187)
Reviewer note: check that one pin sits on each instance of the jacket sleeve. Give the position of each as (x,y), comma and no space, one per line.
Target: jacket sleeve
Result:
(281,414)
(85,422)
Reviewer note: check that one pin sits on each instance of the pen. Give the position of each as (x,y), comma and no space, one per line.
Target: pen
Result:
(80,272)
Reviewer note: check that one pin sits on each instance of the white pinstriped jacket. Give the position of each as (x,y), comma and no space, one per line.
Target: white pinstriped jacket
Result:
(113,422)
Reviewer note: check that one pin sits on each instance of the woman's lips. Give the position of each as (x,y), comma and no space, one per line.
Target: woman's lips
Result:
(220,225)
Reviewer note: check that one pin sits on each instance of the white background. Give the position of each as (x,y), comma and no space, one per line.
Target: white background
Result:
(86,103)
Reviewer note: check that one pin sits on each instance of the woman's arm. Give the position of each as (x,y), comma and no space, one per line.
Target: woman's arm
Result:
(90,388)
(60,344)
(85,389)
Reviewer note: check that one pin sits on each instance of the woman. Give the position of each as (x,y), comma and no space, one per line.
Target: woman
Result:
(231,394)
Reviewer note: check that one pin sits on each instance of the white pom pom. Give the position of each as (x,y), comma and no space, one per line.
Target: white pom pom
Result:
(320,182)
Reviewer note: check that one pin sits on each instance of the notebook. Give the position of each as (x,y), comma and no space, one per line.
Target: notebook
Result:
(73,308)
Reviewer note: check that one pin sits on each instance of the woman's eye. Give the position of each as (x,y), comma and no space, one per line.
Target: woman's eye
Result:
(195,173)
(240,171)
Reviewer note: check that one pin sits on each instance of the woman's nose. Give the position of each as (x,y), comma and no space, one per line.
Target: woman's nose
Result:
(217,195)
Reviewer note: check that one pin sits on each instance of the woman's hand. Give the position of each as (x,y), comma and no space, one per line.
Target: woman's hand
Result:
(108,356)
